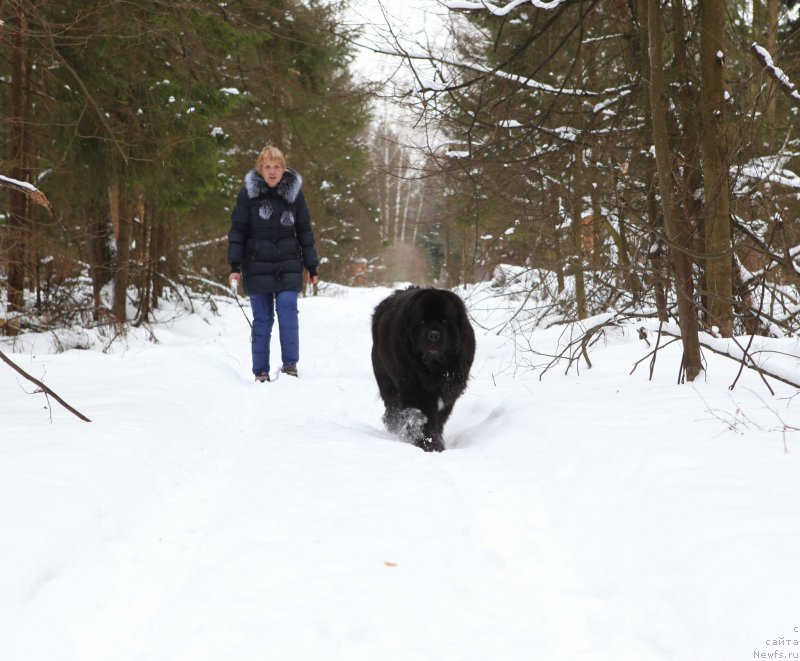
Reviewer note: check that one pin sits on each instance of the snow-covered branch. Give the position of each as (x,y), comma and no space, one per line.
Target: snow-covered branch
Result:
(29,189)
(776,73)
(487,71)
(733,349)
(466,5)
(203,244)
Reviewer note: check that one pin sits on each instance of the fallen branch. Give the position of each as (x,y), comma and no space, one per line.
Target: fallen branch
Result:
(652,354)
(579,347)
(746,359)
(42,386)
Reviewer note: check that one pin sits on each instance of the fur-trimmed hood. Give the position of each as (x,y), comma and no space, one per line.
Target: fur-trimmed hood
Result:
(288,187)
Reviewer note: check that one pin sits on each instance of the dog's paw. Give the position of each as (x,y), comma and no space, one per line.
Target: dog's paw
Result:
(393,420)
(410,425)
(430,444)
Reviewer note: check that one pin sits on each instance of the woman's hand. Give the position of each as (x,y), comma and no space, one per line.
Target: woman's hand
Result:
(233,281)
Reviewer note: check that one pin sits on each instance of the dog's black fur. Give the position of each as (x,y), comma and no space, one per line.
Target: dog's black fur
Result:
(422,350)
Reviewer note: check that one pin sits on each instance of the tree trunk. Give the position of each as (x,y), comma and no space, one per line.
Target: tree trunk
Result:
(100,256)
(687,100)
(145,275)
(576,234)
(121,217)
(578,178)
(620,239)
(678,236)
(657,250)
(159,259)
(141,258)
(383,192)
(764,32)
(718,248)
(18,207)
(171,252)
(772,47)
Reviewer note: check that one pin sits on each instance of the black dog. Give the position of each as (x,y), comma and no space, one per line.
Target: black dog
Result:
(422,351)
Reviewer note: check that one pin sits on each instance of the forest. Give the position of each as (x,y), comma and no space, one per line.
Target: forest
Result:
(633,156)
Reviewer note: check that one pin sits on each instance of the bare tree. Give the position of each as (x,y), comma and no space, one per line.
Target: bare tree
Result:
(19,157)
(718,247)
(678,234)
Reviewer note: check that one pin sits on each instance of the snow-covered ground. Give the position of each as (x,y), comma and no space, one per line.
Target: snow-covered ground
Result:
(589,515)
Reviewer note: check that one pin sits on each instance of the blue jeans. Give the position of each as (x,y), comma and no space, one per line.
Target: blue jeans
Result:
(264,307)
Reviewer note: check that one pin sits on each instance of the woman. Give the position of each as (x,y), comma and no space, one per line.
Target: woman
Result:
(269,244)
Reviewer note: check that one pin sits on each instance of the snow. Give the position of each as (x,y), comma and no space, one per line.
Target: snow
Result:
(776,71)
(471,5)
(428,85)
(17,182)
(588,514)
(766,57)
(766,169)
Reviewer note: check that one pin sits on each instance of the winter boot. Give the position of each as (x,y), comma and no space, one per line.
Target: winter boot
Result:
(290,369)
(261,377)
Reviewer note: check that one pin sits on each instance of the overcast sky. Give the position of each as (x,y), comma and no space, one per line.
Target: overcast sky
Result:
(412,21)
(415,23)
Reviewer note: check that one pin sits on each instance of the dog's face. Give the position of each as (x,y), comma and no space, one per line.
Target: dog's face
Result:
(435,331)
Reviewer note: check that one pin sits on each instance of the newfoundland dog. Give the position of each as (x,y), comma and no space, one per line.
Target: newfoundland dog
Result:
(422,351)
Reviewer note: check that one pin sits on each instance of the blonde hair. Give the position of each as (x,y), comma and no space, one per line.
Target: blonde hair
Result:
(270,153)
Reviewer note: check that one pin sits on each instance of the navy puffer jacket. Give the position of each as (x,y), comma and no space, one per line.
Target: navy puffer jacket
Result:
(271,240)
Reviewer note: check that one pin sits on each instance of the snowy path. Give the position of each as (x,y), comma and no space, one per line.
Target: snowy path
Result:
(202,516)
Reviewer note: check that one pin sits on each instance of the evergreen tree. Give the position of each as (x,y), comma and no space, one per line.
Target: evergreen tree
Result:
(139,120)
